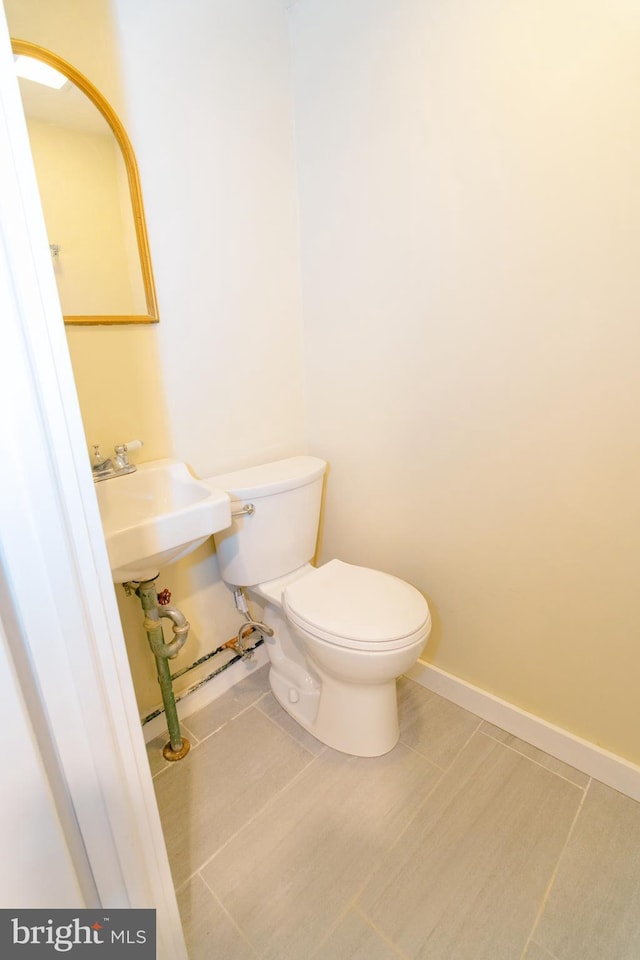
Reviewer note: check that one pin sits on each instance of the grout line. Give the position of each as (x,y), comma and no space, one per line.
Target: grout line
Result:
(192,737)
(604,766)
(443,773)
(485,733)
(509,746)
(233,923)
(185,883)
(333,926)
(547,953)
(229,720)
(295,740)
(422,756)
(387,853)
(552,879)
(394,946)
(225,723)
(465,744)
(198,742)
(352,906)
(171,764)
(256,813)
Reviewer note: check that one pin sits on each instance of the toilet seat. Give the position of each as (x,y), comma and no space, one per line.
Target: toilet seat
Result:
(357,608)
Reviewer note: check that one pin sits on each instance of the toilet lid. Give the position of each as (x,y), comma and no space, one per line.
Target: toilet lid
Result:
(357,607)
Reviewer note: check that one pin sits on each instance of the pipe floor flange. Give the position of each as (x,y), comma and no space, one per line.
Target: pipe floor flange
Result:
(169,754)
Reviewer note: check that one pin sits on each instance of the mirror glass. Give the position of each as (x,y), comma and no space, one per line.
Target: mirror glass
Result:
(90,191)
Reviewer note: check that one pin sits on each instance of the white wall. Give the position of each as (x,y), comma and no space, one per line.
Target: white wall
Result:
(470,221)
(39,856)
(209,110)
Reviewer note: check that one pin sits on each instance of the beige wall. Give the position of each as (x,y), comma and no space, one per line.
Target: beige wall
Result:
(115,368)
(470,221)
(204,93)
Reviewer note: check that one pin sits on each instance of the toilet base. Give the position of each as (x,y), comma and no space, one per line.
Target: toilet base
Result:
(345,698)
(358,719)
(296,692)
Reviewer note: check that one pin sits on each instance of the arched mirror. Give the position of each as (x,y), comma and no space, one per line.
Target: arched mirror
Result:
(90,190)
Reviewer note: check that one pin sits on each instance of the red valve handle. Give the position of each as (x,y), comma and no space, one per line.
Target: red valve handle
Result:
(164,597)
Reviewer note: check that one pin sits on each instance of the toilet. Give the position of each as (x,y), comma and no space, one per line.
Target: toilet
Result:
(342,633)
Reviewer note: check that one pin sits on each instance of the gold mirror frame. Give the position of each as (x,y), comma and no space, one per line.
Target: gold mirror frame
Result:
(119,132)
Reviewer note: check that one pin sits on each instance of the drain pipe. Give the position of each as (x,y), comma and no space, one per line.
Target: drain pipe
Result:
(178,746)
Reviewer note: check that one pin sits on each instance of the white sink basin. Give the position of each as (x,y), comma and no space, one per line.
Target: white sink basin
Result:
(157,515)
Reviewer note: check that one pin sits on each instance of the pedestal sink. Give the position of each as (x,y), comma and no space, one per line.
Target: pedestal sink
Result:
(157,515)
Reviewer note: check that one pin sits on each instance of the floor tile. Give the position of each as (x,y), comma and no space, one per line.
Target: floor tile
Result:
(536,952)
(593,911)
(354,939)
(453,866)
(225,780)
(272,709)
(289,875)
(435,727)
(230,704)
(208,930)
(556,766)
(467,877)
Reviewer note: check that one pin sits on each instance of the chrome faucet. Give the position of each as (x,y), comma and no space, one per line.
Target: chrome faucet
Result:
(116,467)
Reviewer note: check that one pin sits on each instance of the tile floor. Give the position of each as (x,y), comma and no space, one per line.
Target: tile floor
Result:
(463,843)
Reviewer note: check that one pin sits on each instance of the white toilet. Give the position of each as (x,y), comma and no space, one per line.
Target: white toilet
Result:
(342,633)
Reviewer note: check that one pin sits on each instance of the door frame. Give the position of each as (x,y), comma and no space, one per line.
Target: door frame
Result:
(57,601)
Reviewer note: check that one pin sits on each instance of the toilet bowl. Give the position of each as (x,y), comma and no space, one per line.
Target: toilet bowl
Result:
(342,633)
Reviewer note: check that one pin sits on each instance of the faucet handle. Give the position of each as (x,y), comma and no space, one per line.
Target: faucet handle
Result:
(129,446)
(100,468)
(122,450)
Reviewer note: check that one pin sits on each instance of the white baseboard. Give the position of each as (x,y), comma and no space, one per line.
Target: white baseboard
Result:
(600,764)
(208,691)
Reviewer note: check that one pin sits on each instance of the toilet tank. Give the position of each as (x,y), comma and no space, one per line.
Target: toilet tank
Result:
(280,534)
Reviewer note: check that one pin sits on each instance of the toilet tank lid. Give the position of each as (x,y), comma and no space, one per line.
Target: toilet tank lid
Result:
(269,478)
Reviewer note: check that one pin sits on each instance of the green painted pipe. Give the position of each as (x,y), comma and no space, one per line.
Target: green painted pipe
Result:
(178,746)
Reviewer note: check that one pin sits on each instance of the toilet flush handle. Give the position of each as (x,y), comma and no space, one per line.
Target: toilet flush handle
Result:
(247,511)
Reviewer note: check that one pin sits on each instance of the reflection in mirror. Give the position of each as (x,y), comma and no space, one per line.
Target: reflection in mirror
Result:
(90,191)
